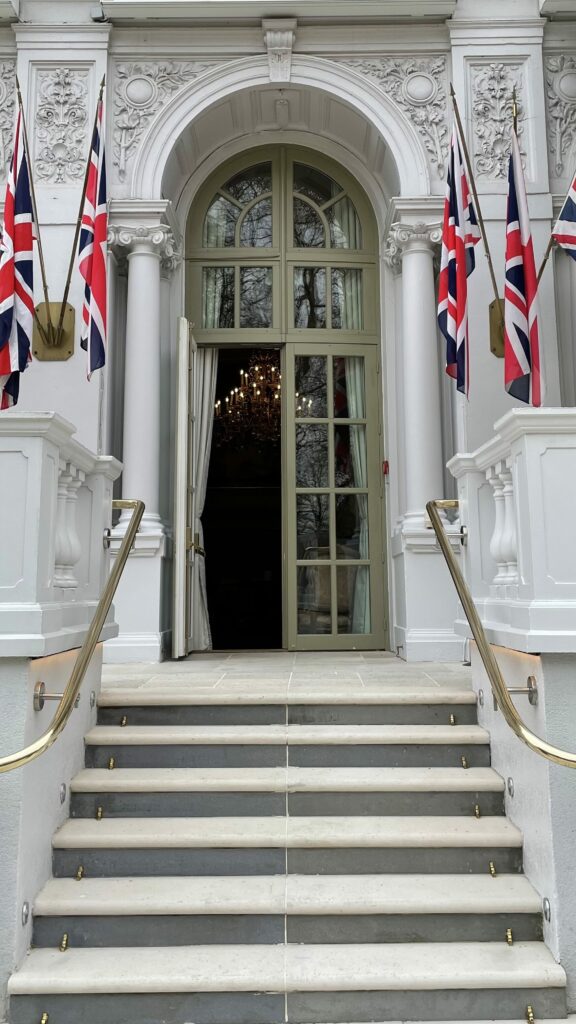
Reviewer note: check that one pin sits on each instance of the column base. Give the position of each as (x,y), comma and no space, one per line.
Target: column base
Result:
(426,601)
(139,602)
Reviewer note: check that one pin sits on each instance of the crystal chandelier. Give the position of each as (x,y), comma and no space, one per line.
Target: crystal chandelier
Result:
(251,411)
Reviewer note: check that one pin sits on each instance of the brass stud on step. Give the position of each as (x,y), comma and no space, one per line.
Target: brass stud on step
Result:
(64,943)
(464,761)
(44,1018)
(80,873)
(99,814)
(530,1015)
(124,720)
(509,937)
(452,719)
(492,868)
(477,811)
(111,764)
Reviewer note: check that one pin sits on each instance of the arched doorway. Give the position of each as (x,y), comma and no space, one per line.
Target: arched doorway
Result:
(281,251)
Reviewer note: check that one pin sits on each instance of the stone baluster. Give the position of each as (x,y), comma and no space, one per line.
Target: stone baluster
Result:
(496,550)
(62,552)
(508,542)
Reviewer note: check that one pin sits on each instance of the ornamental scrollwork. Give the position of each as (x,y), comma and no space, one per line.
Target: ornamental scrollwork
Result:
(400,236)
(7,107)
(61,124)
(418,86)
(561,102)
(493,87)
(140,91)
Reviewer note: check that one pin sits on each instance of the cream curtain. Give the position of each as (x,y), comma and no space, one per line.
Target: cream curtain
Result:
(204,398)
(356,410)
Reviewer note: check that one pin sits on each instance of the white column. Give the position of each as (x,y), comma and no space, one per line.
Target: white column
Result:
(413,245)
(141,442)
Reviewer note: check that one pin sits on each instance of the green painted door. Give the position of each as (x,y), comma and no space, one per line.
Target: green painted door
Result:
(334,571)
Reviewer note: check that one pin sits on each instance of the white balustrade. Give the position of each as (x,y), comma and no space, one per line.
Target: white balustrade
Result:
(518,503)
(54,567)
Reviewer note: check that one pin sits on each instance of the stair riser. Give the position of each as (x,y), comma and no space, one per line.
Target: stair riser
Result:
(212,805)
(203,929)
(293,714)
(127,862)
(302,1008)
(313,756)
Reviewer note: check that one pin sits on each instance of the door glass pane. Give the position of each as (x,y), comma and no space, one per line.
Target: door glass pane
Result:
(347,299)
(250,183)
(353,587)
(255,296)
(349,402)
(220,224)
(310,297)
(311,455)
(352,526)
(350,456)
(315,184)
(256,228)
(313,526)
(345,230)
(308,226)
(218,297)
(311,387)
(314,604)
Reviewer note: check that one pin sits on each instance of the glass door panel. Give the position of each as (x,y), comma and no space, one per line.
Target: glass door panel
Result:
(334,573)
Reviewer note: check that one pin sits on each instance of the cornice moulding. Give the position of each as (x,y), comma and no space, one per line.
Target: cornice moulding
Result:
(497,33)
(244,10)
(218,41)
(61,37)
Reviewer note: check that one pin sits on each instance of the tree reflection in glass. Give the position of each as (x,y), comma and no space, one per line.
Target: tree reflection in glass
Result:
(256,297)
(310,297)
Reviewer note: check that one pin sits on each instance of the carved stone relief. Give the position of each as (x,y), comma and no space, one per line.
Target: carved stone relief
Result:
(492,113)
(61,124)
(279,39)
(418,86)
(7,112)
(561,102)
(140,91)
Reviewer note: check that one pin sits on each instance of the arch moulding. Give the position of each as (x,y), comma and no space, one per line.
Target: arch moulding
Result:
(252,72)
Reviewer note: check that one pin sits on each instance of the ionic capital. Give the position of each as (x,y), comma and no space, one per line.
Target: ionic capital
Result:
(403,238)
(156,240)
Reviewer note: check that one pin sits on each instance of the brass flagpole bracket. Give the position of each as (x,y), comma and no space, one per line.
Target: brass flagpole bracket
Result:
(496,315)
(48,345)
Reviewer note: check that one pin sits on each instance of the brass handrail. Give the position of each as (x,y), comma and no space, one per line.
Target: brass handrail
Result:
(499,688)
(64,709)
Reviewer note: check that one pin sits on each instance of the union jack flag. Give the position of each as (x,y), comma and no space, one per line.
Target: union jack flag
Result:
(16,274)
(522,373)
(92,250)
(565,227)
(460,233)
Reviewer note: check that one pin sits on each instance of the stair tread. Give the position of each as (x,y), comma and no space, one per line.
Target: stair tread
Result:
(293,779)
(188,694)
(293,968)
(294,894)
(274,735)
(279,832)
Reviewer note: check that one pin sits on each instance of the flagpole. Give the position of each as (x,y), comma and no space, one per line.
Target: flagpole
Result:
(79,220)
(49,337)
(545,259)
(476,199)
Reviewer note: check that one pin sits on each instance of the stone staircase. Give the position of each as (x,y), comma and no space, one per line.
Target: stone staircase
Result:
(253,856)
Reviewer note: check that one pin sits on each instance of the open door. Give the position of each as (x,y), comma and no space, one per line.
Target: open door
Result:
(184,494)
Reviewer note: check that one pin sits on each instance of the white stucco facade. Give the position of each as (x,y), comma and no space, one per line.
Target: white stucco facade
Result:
(370,91)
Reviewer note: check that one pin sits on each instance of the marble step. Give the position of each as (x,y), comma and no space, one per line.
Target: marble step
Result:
(276,745)
(215,792)
(187,693)
(276,845)
(301,908)
(273,984)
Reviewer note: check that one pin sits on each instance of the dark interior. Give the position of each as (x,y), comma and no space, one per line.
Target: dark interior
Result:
(242,522)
